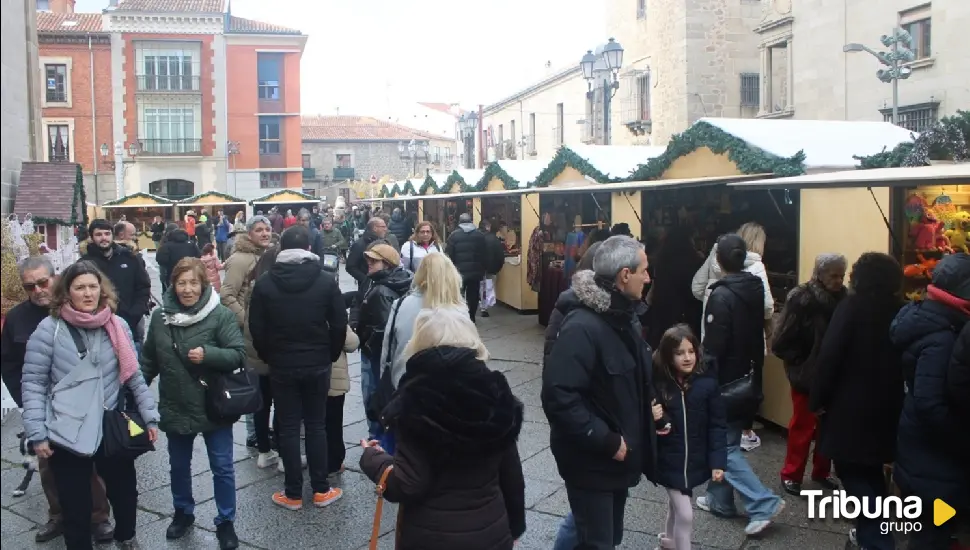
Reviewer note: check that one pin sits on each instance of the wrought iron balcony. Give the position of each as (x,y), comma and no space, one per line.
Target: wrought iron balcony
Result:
(342,173)
(178,146)
(168,83)
(309,173)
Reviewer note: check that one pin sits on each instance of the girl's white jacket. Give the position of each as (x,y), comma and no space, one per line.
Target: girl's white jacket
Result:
(710,273)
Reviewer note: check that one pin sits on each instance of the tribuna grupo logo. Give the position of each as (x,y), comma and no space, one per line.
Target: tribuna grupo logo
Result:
(900,515)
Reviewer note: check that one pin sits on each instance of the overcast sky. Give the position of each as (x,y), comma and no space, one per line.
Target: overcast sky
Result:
(361,52)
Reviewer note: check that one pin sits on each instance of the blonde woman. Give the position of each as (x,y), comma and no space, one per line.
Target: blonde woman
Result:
(456,472)
(754,239)
(423,242)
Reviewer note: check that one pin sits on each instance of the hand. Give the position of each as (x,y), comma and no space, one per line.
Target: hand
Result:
(153,434)
(620,455)
(658,410)
(373,443)
(43,449)
(717,475)
(196,355)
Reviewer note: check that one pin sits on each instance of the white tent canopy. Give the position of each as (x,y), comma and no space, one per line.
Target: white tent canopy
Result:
(940,174)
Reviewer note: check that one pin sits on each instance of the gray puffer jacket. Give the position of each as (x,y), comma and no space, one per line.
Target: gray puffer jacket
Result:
(48,361)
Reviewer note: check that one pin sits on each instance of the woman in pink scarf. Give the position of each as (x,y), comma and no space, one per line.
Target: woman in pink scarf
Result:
(85,301)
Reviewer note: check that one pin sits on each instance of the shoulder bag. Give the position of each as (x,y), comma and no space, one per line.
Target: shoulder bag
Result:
(73,410)
(375,533)
(385,386)
(228,396)
(741,398)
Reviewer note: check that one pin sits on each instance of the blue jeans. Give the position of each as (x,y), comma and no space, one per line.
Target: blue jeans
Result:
(250,427)
(368,386)
(566,538)
(759,502)
(218,445)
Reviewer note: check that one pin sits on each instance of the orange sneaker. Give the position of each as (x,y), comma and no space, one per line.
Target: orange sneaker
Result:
(326,499)
(280,499)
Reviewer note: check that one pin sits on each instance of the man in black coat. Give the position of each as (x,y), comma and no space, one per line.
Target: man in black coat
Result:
(298,322)
(596,393)
(356,262)
(400,226)
(734,338)
(467,249)
(127,272)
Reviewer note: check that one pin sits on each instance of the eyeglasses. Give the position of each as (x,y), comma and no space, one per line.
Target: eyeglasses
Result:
(40,283)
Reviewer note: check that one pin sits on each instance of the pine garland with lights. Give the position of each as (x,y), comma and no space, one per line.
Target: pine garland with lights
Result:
(493,170)
(948,139)
(566,157)
(747,158)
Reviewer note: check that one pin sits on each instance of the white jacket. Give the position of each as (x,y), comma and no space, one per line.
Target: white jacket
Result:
(710,273)
(412,254)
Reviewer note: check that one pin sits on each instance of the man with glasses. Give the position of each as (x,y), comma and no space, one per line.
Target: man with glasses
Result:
(37,276)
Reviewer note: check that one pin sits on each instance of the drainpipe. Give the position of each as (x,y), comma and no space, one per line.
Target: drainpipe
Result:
(94,125)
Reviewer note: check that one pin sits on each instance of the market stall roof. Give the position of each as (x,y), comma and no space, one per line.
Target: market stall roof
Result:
(210,197)
(938,174)
(285,196)
(827,144)
(648,184)
(51,192)
(522,172)
(138,199)
(602,163)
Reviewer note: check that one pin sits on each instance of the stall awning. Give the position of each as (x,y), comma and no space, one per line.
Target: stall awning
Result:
(211,197)
(138,200)
(445,196)
(648,184)
(286,196)
(938,174)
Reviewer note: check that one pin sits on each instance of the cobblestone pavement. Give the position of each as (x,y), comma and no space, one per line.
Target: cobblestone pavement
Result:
(515,342)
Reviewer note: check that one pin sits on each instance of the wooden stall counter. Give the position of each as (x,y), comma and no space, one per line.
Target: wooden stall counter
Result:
(512,290)
(777,407)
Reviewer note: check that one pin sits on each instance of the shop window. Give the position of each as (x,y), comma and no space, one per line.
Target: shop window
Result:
(928,223)
(270,180)
(269,135)
(915,118)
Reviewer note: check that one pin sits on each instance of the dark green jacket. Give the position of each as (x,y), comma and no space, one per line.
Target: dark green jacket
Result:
(181,396)
(332,239)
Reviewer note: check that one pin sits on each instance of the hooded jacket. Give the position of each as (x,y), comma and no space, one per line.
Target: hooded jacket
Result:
(297,316)
(457,472)
(710,272)
(800,329)
(127,272)
(176,246)
(237,285)
(385,287)
(734,327)
(958,378)
(930,436)
(467,249)
(400,227)
(340,371)
(596,389)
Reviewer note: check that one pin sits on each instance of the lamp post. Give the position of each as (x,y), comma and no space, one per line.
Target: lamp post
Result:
(413,150)
(601,69)
(899,43)
(119,162)
(468,123)
(232,149)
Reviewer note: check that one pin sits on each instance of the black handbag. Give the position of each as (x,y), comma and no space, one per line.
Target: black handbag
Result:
(124,432)
(229,395)
(741,398)
(385,385)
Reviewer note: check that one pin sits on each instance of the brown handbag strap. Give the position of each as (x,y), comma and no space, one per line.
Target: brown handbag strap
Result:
(381,486)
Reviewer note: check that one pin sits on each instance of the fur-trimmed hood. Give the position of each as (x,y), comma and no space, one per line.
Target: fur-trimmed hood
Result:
(586,292)
(450,401)
(245,245)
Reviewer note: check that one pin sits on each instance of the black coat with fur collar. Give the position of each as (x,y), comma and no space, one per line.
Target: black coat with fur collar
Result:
(457,472)
(799,331)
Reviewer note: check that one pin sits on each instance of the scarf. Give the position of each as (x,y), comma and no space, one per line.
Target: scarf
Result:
(184,317)
(120,340)
(939,295)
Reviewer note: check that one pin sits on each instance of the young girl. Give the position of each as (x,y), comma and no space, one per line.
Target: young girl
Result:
(212,266)
(694,449)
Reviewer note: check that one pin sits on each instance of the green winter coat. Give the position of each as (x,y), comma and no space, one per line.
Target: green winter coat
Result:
(181,396)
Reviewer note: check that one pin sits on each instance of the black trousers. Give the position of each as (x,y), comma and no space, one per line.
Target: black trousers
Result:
(261,418)
(471,288)
(867,480)
(302,398)
(598,516)
(336,449)
(221,250)
(72,477)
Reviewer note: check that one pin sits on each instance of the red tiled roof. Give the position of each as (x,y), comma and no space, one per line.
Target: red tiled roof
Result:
(249,26)
(359,128)
(173,6)
(49,22)
(46,190)
(443,107)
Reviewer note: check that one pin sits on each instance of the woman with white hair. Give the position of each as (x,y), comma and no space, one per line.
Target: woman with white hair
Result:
(456,471)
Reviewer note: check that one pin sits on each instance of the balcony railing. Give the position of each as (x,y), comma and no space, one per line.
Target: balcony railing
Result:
(178,146)
(343,174)
(168,83)
(309,173)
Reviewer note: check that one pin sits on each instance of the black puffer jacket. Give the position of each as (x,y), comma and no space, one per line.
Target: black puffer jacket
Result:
(126,271)
(297,315)
(697,442)
(400,227)
(356,262)
(467,250)
(928,450)
(734,332)
(385,287)
(176,246)
(958,379)
(596,389)
(456,471)
(801,327)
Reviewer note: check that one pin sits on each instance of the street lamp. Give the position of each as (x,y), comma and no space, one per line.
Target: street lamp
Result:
(899,53)
(601,69)
(232,149)
(119,162)
(412,150)
(468,123)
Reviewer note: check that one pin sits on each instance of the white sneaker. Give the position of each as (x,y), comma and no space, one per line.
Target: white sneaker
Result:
(265,460)
(757,526)
(750,441)
(279,465)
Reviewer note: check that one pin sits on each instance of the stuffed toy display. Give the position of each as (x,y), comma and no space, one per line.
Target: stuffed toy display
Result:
(959,236)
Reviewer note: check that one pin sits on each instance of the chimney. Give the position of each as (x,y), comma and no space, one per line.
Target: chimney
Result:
(62,6)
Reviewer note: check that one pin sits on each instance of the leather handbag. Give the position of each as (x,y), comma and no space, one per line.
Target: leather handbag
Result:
(375,533)
(385,384)
(741,398)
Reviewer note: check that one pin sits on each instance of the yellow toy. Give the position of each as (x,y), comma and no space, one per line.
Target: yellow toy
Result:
(960,234)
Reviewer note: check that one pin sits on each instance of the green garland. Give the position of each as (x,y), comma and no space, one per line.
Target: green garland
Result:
(493,170)
(948,139)
(265,198)
(428,183)
(747,158)
(566,157)
(159,200)
(79,203)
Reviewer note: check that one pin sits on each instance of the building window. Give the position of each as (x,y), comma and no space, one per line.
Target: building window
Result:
(269,135)
(170,71)
(58,143)
(306,161)
(56,83)
(310,191)
(920,31)
(270,180)
(500,144)
(560,124)
(643,96)
(436,154)
(345,160)
(915,118)
(170,130)
(447,153)
(512,135)
(43,5)
(641,9)
(172,189)
(268,67)
(532,134)
(750,89)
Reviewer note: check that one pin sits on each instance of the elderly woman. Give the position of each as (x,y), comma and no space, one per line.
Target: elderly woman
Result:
(798,338)
(456,471)
(192,337)
(65,394)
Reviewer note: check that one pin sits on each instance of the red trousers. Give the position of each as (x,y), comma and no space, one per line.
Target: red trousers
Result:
(802,431)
